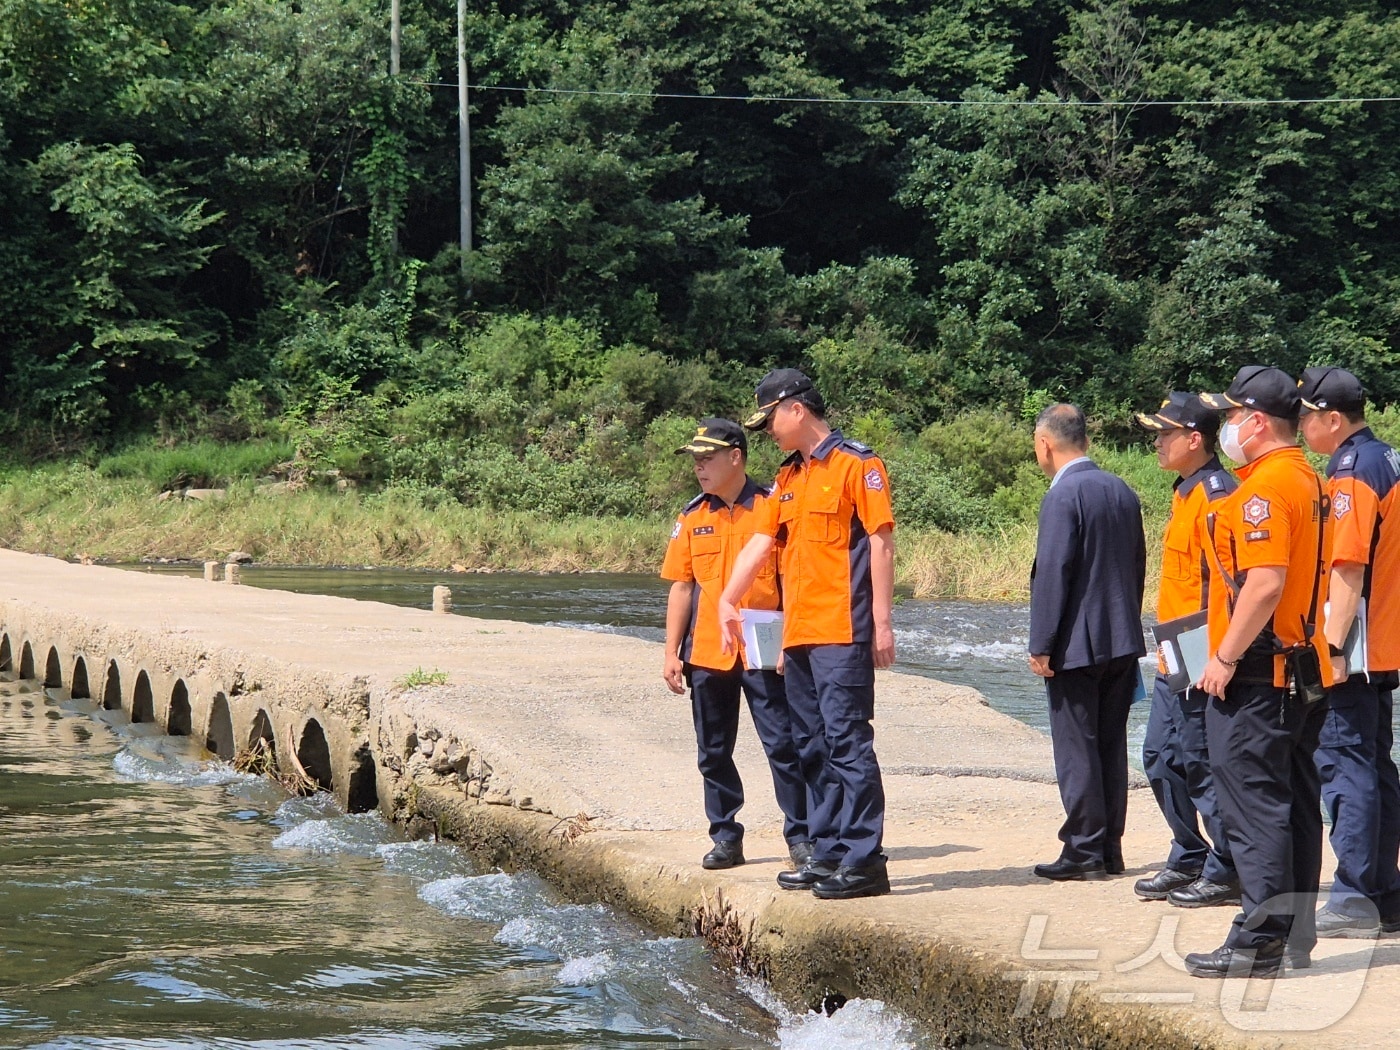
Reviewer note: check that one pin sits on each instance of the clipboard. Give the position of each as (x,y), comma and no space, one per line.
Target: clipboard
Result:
(1354,647)
(1182,646)
(763,638)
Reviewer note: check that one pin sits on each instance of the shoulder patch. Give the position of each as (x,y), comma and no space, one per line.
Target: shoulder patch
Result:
(1341,505)
(855,445)
(676,531)
(874,479)
(1255,510)
(1348,461)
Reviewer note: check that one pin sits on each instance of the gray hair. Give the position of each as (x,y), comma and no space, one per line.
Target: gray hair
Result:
(1065,426)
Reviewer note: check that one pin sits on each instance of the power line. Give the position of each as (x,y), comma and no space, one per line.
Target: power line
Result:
(925,102)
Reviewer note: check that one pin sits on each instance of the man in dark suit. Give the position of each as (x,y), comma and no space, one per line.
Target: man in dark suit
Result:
(1086,638)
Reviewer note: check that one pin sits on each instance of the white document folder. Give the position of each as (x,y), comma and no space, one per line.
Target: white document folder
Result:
(1355,645)
(763,638)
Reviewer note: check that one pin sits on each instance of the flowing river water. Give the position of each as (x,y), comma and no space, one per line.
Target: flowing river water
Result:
(153,898)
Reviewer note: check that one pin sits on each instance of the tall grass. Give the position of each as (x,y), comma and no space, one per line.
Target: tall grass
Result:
(110,515)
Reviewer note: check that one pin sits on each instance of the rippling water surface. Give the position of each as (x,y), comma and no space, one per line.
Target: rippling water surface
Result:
(153,898)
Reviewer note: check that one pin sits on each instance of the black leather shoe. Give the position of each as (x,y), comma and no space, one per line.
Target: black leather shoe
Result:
(1334,924)
(807,876)
(1205,894)
(869,880)
(1265,961)
(726,854)
(800,852)
(1114,865)
(1066,870)
(1296,960)
(1390,924)
(1156,887)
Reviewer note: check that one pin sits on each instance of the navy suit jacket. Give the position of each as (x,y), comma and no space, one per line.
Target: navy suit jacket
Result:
(1090,564)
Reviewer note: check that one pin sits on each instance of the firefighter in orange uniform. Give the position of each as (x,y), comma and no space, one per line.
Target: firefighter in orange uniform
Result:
(1267,674)
(1360,786)
(1198,873)
(831,513)
(707,537)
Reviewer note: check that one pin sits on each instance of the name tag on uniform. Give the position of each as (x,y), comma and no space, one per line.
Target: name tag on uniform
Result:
(785,497)
(703,530)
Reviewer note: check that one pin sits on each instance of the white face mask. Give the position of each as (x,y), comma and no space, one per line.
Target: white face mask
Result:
(1230,441)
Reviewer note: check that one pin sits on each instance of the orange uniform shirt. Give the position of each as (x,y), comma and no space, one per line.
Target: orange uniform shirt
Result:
(1185,569)
(822,514)
(705,541)
(1363,481)
(1272,520)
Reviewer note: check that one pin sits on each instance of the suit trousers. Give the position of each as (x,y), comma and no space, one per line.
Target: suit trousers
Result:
(1361,793)
(1261,742)
(714,702)
(1089,736)
(1177,765)
(831,693)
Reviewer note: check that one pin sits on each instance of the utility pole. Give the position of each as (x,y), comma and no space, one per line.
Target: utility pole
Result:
(395,38)
(464,135)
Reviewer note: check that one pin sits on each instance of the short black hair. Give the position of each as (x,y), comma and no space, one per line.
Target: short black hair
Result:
(1066,426)
(812,401)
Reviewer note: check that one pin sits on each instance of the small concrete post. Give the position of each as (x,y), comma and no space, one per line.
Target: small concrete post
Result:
(442,599)
(231,573)
(211,571)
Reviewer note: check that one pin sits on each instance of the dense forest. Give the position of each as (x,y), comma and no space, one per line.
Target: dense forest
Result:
(225,219)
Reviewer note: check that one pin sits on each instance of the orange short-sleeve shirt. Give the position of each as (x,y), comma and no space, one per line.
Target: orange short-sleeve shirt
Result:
(705,541)
(1185,583)
(1273,520)
(823,511)
(1363,482)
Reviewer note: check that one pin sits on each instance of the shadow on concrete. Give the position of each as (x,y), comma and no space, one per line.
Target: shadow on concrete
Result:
(928,852)
(1020,875)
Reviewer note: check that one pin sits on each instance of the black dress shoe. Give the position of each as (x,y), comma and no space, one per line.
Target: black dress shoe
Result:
(1066,870)
(1114,865)
(1296,960)
(1156,887)
(869,880)
(800,852)
(1264,961)
(726,854)
(1205,894)
(807,876)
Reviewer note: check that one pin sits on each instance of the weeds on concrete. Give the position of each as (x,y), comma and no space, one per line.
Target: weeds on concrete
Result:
(570,828)
(418,677)
(728,936)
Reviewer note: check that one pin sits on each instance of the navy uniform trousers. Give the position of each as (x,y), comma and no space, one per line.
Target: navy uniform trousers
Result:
(1361,793)
(1261,742)
(1177,764)
(714,702)
(1089,737)
(831,693)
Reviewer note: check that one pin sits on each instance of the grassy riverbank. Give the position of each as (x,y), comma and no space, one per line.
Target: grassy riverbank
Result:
(73,512)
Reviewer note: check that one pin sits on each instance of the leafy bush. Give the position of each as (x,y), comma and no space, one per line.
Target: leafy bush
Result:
(987,447)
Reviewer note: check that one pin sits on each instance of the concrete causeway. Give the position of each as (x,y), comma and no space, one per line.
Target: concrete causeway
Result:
(562,751)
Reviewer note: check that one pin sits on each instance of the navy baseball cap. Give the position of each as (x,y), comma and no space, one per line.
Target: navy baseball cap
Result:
(1181,411)
(1265,388)
(774,388)
(714,434)
(1326,387)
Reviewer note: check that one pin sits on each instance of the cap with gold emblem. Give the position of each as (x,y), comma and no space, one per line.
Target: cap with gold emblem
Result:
(714,434)
(1181,410)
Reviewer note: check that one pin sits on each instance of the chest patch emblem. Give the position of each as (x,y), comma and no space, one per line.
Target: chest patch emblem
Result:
(874,480)
(703,530)
(785,497)
(1256,510)
(1341,505)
